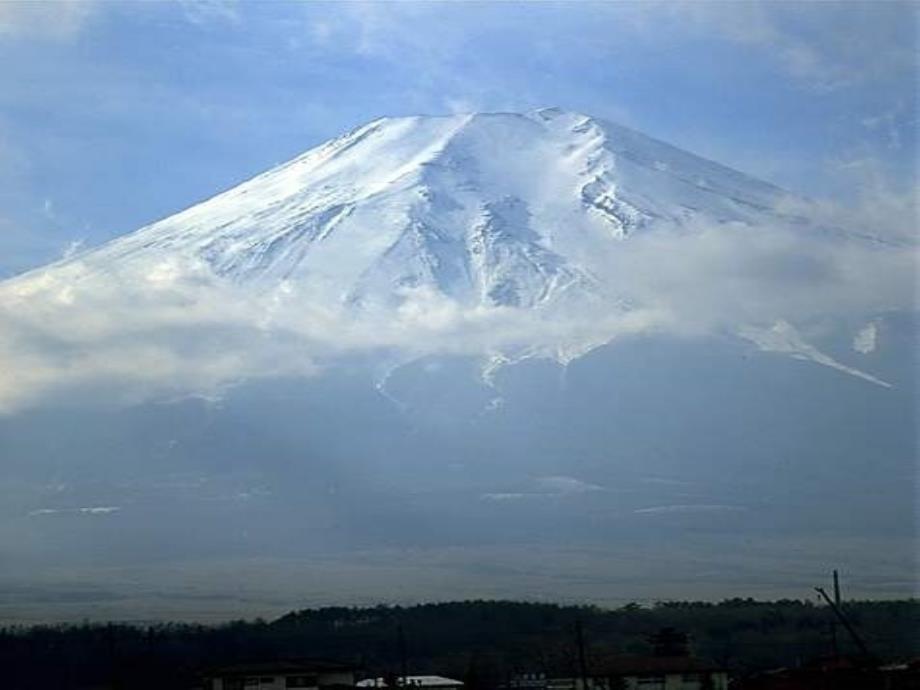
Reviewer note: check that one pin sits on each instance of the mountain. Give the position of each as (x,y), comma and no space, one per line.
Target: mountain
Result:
(500,235)
(494,209)
(465,356)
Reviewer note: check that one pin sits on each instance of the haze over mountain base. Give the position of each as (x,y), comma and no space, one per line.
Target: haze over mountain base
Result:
(643,471)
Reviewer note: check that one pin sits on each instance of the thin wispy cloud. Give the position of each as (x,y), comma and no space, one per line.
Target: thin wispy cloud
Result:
(551,487)
(823,47)
(690,508)
(62,20)
(88,510)
(210,12)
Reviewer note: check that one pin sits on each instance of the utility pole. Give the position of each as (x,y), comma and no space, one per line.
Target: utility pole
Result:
(582,664)
(834,644)
(403,659)
(846,624)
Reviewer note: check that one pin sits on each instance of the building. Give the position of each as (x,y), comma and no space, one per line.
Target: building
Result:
(281,675)
(902,676)
(426,682)
(627,672)
(836,673)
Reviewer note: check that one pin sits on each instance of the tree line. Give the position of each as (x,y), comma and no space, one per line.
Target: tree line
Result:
(481,642)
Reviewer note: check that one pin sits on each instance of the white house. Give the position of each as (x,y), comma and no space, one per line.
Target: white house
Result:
(425,682)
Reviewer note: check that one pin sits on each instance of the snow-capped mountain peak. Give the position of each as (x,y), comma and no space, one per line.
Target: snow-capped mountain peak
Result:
(491,208)
(498,236)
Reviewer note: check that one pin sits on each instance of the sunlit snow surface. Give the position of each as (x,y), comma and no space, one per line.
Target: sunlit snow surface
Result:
(496,209)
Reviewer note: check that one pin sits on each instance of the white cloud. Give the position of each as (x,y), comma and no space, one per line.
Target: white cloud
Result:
(880,207)
(567,485)
(556,486)
(824,45)
(889,123)
(73,248)
(89,510)
(507,496)
(690,508)
(209,12)
(170,328)
(60,20)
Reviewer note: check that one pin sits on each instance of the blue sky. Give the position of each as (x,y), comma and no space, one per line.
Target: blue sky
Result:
(114,114)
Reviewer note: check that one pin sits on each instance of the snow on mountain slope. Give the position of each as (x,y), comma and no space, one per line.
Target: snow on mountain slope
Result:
(501,209)
(503,234)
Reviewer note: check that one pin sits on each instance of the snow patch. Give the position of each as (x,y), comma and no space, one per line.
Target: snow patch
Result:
(866,340)
(783,337)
